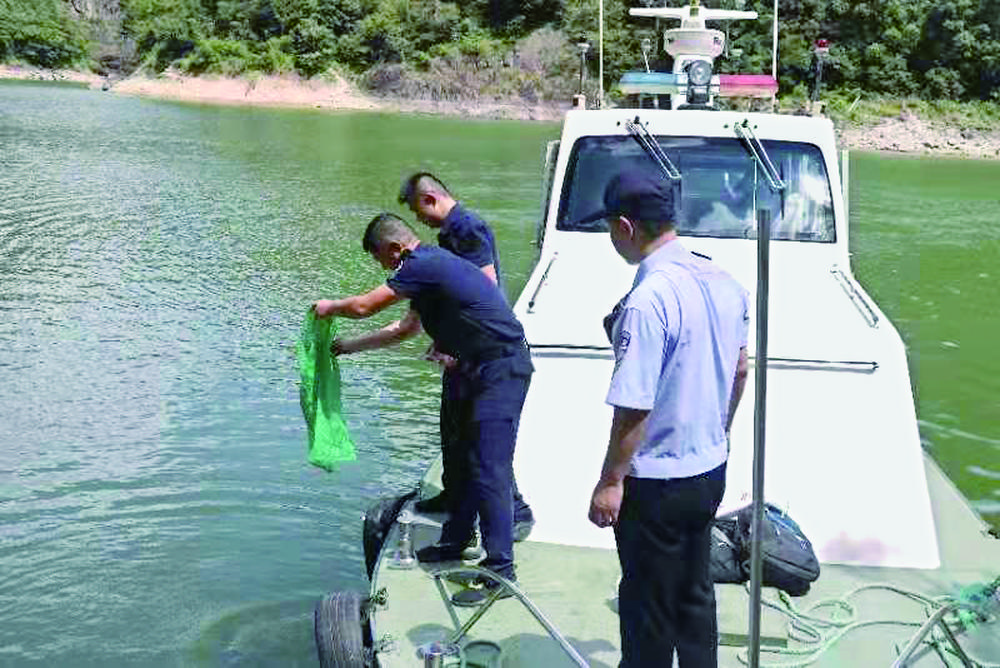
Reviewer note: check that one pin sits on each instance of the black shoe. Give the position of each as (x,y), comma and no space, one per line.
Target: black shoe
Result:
(466,579)
(470,598)
(435,504)
(522,528)
(440,552)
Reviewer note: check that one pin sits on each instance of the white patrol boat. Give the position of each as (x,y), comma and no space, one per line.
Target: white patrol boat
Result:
(908,570)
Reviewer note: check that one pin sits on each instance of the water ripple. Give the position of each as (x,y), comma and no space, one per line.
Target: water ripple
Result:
(953,432)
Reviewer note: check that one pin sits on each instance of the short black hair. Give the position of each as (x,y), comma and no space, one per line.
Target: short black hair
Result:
(385,228)
(420,181)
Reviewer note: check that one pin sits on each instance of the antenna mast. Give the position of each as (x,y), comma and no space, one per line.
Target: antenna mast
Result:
(774,44)
(600,48)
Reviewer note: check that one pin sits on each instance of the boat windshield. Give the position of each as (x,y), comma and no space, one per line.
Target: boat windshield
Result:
(720,186)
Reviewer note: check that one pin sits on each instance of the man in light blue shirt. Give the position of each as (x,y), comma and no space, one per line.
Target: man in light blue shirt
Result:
(680,339)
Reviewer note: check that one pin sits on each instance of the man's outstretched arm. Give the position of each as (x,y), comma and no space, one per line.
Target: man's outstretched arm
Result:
(389,335)
(358,306)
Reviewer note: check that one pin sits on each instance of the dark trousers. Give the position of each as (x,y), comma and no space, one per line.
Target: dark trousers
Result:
(456,410)
(489,431)
(666,600)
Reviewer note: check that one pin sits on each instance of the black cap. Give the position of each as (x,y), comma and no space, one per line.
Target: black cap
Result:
(638,196)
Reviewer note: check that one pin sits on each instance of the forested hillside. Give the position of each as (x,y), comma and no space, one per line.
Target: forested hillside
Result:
(903,48)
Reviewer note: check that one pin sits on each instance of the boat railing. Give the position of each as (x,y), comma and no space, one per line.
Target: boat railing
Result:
(860,303)
(980,602)
(936,621)
(541,282)
(461,630)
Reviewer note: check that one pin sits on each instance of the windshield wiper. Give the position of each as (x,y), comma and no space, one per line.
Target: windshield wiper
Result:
(649,144)
(756,149)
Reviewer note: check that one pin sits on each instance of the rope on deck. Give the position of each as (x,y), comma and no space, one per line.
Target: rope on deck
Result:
(976,604)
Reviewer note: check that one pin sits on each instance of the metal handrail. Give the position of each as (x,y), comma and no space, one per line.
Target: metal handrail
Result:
(541,282)
(745,132)
(855,295)
(505,585)
(759,411)
(854,366)
(567,346)
(937,619)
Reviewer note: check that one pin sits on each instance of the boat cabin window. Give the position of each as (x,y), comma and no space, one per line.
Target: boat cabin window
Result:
(720,187)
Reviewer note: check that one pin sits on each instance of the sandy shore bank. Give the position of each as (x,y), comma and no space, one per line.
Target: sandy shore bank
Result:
(903,134)
(331,93)
(263,91)
(59,76)
(909,134)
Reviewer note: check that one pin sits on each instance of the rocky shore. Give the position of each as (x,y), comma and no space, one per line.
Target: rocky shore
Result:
(905,133)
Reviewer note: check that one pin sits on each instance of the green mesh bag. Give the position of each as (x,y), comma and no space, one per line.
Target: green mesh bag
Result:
(319,394)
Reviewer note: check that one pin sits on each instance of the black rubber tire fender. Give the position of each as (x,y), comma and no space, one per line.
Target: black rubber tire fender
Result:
(340,624)
(378,520)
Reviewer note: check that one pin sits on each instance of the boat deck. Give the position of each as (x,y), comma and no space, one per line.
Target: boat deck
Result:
(575,589)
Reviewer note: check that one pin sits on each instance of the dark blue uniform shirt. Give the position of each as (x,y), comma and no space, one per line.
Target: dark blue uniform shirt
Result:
(459,306)
(467,235)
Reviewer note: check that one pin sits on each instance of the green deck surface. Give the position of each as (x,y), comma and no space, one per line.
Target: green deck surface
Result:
(575,588)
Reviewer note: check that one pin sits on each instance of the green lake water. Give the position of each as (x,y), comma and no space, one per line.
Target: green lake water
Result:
(156,260)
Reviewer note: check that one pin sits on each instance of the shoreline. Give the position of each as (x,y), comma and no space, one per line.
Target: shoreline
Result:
(905,134)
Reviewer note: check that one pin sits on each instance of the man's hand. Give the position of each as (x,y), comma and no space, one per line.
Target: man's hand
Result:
(324,308)
(627,428)
(338,348)
(605,503)
(433,355)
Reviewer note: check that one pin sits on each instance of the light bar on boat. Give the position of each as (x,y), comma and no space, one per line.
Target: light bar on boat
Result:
(727,85)
(659,83)
(652,83)
(747,85)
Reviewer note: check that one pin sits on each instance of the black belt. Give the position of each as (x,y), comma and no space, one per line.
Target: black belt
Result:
(492,354)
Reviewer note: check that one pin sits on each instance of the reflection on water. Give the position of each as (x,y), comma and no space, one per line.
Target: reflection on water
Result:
(156,261)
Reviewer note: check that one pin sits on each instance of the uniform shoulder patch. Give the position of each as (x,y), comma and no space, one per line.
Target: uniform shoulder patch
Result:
(623,340)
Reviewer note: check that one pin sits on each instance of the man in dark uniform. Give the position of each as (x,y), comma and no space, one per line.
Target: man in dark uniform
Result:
(465,234)
(468,319)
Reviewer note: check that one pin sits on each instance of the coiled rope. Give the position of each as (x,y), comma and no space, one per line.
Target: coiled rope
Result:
(977,604)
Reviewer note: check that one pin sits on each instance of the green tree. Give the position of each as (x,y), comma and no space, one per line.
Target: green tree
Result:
(246,20)
(989,73)
(165,29)
(876,44)
(623,35)
(947,48)
(402,31)
(41,33)
(514,17)
(315,26)
(960,49)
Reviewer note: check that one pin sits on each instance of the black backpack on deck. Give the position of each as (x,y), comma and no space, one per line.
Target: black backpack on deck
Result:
(726,564)
(788,560)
